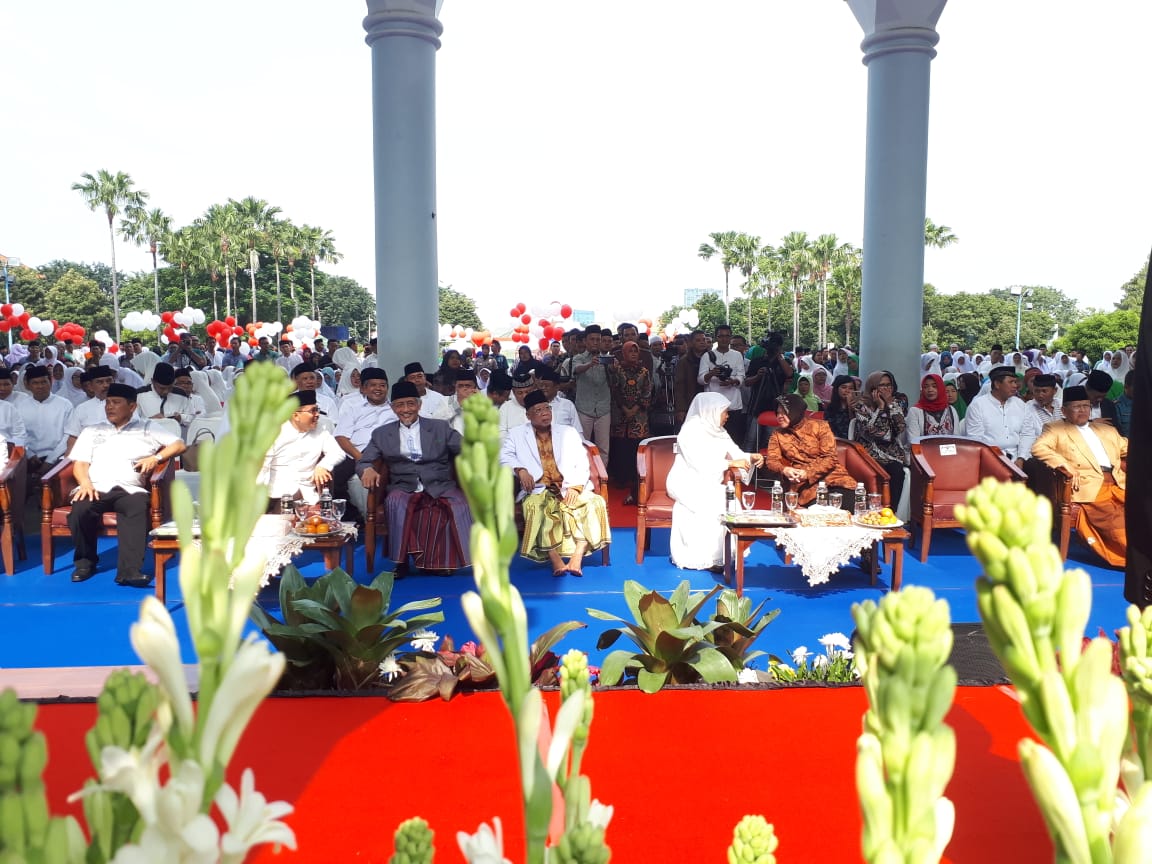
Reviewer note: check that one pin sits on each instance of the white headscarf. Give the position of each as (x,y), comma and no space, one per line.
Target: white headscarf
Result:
(218,385)
(73,390)
(343,356)
(1022,364)
(346,386)
(1118,372)
(1062,366)
(706,413)
(929,364)
(203,388)
(145,363)
(1105,361)
(962,365)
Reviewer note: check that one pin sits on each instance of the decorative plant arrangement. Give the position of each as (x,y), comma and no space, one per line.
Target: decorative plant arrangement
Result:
(336,633)
(1089,771)
(835,666)
(161,762)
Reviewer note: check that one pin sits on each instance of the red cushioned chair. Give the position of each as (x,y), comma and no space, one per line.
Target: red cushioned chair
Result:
(654,460)
(943,469)
(8,474)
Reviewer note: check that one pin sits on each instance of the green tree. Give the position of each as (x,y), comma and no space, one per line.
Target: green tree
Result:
(29,286)
(340,300)
(458,308)
(938,236)
(112,194)
(1132,291)
(745,252)
(723,244)
(1102,332)
(798,264)
(317,245)
(151,228)
(1061,310)
(256,219)
(78,299)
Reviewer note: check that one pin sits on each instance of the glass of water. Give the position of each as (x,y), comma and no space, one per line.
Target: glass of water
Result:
(301,508)
(835,499)
(874,500)
(338,507)
(791,500)
(748,499)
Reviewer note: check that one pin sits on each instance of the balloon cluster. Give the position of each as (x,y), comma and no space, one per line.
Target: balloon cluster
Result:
(460,336)
(141,322)
(542,324)
(223,331)
(179,322)
(686,321)
(16,317)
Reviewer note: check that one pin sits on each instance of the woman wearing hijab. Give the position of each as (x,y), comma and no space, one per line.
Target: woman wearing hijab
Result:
(930,364)
(804,391)
(349,380)
(846,364)
(704,451)
(213,406)
(842,406)
(144,363)
(216,380)
(631,386)
(880,427)
(1118,365)
(73,389)
(802,451)
(932,414)
(820,386)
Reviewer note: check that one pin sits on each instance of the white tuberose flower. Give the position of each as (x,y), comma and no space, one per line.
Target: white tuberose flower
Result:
(485,846)
(600,814)
(835,640)
(801,655)
(251,819)
(746,676)
(820,661)
(154,638)
(389,668)
(424,640)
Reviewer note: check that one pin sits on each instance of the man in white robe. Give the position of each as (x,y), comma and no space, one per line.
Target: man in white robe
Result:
(301,459)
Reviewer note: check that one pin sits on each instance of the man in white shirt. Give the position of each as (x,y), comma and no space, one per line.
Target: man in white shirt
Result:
(302,457)
(360,416)
(997,417)
(1043,408)
(8,391)
(512,413)
(465,387)
(113,463)
(45,416)
(722,371)
(288,359)
(433,405)
(163,401)
(563,409)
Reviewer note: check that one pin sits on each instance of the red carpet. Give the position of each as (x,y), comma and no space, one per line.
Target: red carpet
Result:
(681,768)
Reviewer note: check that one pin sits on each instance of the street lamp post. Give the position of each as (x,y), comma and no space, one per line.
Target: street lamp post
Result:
(15,262)
(1020,293)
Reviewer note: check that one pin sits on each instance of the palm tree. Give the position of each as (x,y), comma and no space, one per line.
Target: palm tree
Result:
(184,250)
(281,236)
(745,249)
(938,236)
(219,222)
(846,272)
(795,255)
(768,276)
(154,228)
(317,244)
(293,249)
(823,253)
(723,241)
(255,217)
(112,193)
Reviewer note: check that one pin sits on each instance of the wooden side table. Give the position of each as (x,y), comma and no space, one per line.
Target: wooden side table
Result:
(164,548)
(891,540)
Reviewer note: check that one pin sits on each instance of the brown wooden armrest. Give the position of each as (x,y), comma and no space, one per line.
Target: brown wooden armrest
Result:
(922,464)
(62,470)
(12,464)
(374,494)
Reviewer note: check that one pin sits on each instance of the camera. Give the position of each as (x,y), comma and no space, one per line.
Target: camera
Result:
(724,371)
(772,339)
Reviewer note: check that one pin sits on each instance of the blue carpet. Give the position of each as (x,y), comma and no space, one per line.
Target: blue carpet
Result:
(49,621)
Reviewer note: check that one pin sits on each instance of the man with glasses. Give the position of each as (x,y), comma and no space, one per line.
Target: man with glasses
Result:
(300,461)
(360,416)
(428,515)
(1094,453)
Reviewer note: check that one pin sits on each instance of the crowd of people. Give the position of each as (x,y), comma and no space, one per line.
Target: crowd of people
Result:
(733,406)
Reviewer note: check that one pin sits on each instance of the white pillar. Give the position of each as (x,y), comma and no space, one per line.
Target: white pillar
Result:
(899,44)
(404,36)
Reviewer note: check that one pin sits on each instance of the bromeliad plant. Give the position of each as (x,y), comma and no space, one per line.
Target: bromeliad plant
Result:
(340,629)
(1035,614)
(674,646)
(148,732)
(740,626)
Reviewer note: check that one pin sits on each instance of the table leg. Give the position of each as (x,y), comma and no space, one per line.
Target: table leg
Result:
(742,545)
(897,564)
(728,541)
(161,564)
(331,558)
(349,551)
(878,549)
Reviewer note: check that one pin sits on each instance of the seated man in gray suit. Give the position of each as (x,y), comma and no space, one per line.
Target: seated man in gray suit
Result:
(428,516)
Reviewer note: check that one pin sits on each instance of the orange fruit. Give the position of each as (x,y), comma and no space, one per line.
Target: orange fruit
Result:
(887,513)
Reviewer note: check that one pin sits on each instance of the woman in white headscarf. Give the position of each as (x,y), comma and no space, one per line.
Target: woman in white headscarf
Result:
(1020,363)
(341,357)
(930,363)
(1062,365)
(962,365)
(1105,361)
(349,379)
(73,390)
(213,406)
(1118,365)
(144,363)
(704,451)
(216,380)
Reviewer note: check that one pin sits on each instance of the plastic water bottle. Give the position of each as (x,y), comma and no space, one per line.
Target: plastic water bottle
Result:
(860,505)
(730,497)
(326,503)
(286,506)
(822,494)
(777,498)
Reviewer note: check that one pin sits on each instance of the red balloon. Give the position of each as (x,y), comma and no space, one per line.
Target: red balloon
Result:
(171,333)
(166,317)
(28,335)
(545,323)
(23,319)
(230,321)
(544,343)
(113,348)
(6,309)
(5,326)
(521,307)
(558,332)
(525,318)
(565,311)
(239,331)
(478,338)
(514,312)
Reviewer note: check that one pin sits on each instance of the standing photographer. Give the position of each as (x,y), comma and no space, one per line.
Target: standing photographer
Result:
(722,371)
(767,378)
(183,353)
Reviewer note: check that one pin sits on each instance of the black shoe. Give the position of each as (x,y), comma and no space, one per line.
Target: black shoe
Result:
(400,571)
(133,579)
(83,572)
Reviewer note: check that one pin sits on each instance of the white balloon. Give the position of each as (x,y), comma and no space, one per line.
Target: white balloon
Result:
(467,332)
(198,316)
(17,309)
(47,328)
(163,339)
(445,330)
(34,323)
(245,349)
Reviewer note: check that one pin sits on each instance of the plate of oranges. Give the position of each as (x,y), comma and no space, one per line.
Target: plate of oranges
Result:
(313,526)
(883,518)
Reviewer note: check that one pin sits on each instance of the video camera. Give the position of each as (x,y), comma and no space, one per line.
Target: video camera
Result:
(773,340)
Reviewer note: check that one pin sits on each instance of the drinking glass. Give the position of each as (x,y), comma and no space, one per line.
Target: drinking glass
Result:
(791,500)
(835,499)
(301,508)
(748,499)
(874,500)
(338,507)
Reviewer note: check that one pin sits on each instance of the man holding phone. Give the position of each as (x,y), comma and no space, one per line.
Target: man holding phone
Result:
(593,396)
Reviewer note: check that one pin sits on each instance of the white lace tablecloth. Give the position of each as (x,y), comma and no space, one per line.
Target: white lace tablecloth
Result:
(820,552)
(287,545)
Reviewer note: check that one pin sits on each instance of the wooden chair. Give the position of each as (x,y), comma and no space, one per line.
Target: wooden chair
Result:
(1055,484)
(943,469)
(55,505)
(376,520)
(654,459)
(8,474)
